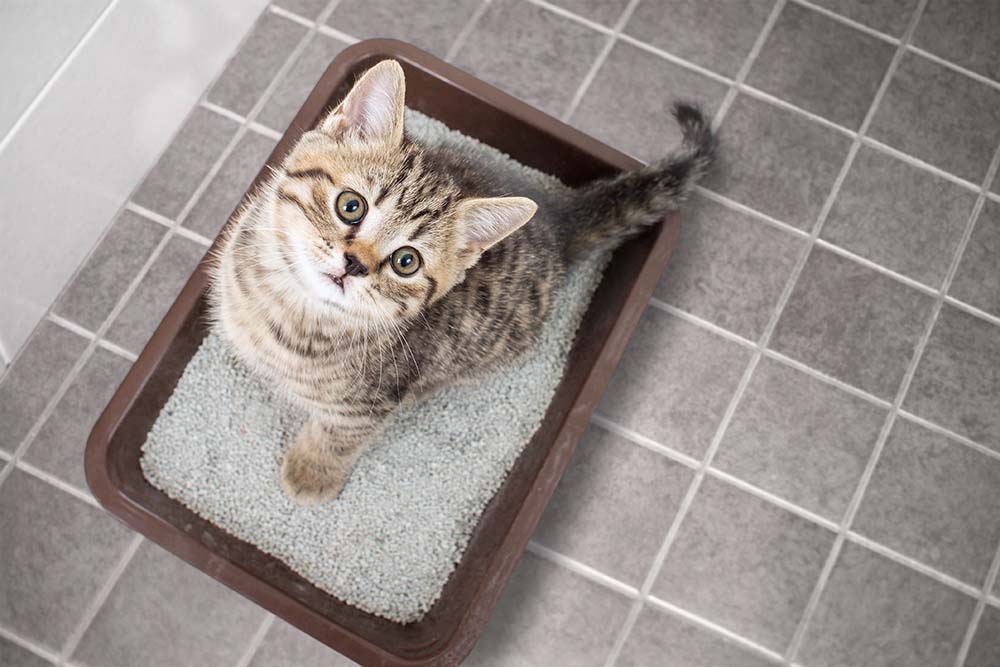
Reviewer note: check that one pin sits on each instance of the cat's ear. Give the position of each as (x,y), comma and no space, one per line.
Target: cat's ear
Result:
(372,113)
(487,221)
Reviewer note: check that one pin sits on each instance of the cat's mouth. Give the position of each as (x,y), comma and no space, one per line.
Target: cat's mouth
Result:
(336,280)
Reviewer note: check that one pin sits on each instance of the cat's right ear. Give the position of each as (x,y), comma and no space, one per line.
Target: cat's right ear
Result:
(372,113)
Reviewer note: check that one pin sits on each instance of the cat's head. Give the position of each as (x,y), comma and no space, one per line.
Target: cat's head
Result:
(370,227)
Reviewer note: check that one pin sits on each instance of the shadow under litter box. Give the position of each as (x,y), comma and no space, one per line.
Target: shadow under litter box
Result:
(496,539)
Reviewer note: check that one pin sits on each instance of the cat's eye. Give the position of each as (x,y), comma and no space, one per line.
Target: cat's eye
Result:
(405,261)
(351,207)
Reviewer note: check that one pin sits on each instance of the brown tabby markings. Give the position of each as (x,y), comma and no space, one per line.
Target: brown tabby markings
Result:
(352,354)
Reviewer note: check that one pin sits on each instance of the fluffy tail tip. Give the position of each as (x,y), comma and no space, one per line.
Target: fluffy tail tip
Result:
(697,131)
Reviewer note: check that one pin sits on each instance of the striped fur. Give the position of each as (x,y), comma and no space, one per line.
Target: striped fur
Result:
(314,302)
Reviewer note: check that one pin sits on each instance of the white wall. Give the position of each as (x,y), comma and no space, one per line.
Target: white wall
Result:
(98,89)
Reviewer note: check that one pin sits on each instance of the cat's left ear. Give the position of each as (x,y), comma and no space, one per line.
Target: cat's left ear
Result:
(487,221)
(372,113)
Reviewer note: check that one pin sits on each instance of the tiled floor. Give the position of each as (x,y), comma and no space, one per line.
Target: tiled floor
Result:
(798,461)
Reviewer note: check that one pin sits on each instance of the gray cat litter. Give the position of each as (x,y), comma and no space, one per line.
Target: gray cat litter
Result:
(389,542)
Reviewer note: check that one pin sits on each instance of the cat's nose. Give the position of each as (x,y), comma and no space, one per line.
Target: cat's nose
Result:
(354,267)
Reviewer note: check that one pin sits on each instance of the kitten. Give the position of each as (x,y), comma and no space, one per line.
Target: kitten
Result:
(371,271)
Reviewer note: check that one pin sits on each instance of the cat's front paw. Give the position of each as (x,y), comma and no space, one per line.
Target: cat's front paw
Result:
(308,480)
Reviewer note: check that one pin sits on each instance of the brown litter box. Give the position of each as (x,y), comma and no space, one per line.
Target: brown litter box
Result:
(448,632)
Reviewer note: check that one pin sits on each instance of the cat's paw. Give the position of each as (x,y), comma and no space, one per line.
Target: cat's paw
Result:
(307,480)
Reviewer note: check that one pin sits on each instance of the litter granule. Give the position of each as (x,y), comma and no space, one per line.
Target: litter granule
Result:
(389,542)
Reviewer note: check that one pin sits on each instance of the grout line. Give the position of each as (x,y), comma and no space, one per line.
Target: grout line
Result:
(677,60)
(86,333)
(337,34)
(662,605)
(223,111)
(952,435)
(290,15)
(609,44)
(912,563)
(254,126)
(977,613)
(51,81)
(579,18)
(463,34)
(639,439)
(4,358)
(792,108)
(878,268)
(256,640)
(193,236)
(885,37)
(152,216)
(919,164)
(828,379)
(584,570)
(771,498)
(868,472)
(38,473)
(954,66)
(28,645)
(972,310)
(102,595)
(744,71)
(703,323)
(749,211)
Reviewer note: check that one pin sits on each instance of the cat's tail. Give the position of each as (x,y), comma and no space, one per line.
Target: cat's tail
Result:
(607,212)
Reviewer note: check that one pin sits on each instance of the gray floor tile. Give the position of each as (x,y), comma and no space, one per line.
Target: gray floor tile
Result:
(889,16)
(614,505)
(717,34)
(155,293)
(853,323)
(531,53)
(34,378)
(977,281)
(550,616)
(229,185)
(299,81)
(674,382)
(286,646)
(255,65)
(309,9)
(185,163)
(661,639)
(800,438)
(606,12)
(728,268)
(432,27)
(940,116)
(55,553)
(899,216)
(58,447)
(957,383)
(964,33)
(12,655)
(95,290)
(985,648)
(777,161)
(642,125)
(743,563)
(934,499)
(821,65)
(162,611)
(878,613)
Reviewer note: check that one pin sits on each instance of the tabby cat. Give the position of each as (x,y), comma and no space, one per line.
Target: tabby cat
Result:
(371,271)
